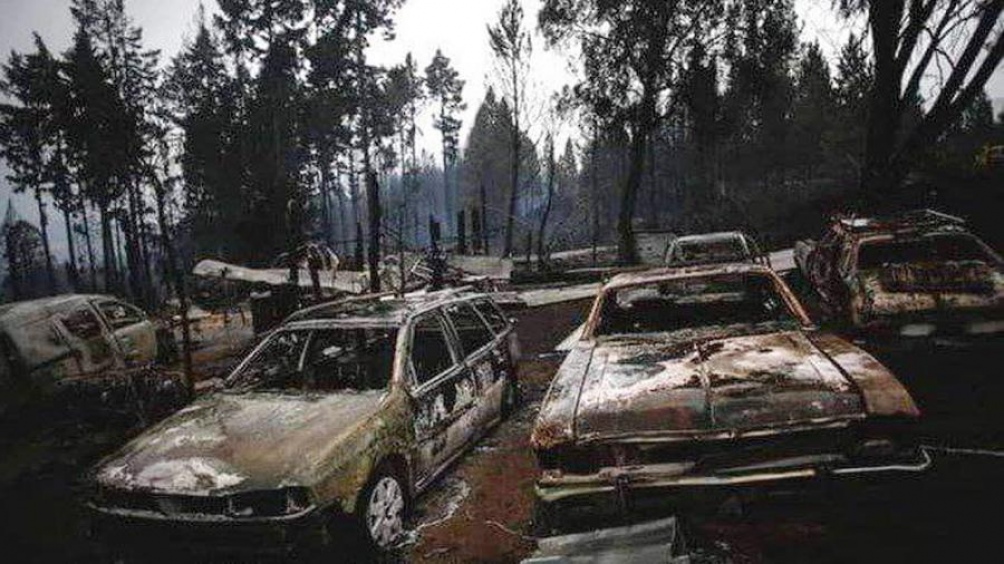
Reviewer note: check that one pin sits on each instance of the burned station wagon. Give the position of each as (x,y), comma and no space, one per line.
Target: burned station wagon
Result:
(341,415)
(710,376)
(919,274)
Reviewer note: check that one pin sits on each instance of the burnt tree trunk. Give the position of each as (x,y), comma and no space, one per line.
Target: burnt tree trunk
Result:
(43,220)
(541,246)
(515,142)
(373,207)
(90,247)
(68,221)
(107,248)
(484,220)
(178,281)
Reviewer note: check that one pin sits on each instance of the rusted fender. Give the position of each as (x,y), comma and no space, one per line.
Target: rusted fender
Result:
(883,394)
(556,421)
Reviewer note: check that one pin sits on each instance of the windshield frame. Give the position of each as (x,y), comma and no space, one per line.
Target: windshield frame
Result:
(311,328)
(734,240)
(799,314)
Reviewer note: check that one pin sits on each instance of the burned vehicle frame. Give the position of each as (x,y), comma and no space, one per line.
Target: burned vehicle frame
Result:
(86,355)
(708,378)
(911,277)
(381,395)
(714,248)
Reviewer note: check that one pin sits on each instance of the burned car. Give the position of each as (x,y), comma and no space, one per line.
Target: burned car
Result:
(709,377)
(336,420)
(90,350)
(714,248)
(919,274)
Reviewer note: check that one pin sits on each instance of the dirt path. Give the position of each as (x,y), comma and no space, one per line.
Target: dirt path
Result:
(491,519)
(480,512)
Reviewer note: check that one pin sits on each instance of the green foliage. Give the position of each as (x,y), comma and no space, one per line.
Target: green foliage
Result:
(446,89)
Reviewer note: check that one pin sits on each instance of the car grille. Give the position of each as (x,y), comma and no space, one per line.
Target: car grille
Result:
(161,503)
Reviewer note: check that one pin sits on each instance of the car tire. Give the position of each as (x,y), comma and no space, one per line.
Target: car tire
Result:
(382,509)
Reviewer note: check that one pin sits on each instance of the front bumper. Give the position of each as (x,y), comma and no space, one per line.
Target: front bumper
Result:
(147,534)
(622,483)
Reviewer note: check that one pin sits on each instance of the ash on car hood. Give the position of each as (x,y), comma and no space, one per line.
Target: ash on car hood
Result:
(235,442)
(721,385)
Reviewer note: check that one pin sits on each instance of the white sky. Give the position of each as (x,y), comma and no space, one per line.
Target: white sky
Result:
(458,27)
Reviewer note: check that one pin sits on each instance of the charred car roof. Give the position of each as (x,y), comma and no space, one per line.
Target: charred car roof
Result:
(917,222)
(378,309)
(19,313)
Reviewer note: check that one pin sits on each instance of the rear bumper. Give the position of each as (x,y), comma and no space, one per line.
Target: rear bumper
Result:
(620,482)
(148,536)
(935,328)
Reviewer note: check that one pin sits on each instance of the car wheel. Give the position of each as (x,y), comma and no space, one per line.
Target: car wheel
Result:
(383,508)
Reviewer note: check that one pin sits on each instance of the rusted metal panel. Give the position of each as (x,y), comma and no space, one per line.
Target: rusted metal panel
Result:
(730,384)
(556,419)
(882,393)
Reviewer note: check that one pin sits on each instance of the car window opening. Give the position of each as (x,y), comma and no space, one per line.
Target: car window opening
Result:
(334,360)
(430,351)
(721,250)
(673,305)
(933,249)
(471,329)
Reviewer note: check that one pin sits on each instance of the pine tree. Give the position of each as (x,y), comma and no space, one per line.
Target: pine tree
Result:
(25,140)
(511,44)
(446,90)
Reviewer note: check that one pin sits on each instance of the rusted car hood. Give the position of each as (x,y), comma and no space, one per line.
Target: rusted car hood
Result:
(910,288)
(237,442)
(707,387)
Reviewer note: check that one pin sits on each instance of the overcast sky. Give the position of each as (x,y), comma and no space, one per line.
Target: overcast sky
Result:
(455,26)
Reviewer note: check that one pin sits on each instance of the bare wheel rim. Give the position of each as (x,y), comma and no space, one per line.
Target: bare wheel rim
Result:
(385,512)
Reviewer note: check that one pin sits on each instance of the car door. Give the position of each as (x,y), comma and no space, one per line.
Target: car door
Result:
(86,335)
(444,392)
(479,346)
(134,334)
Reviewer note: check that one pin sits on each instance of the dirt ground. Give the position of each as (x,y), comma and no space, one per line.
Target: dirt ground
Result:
(492,520)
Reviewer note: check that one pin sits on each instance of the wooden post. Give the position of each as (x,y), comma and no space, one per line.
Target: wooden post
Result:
(475,231)
(461,233)
(435,262)
(358,257)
